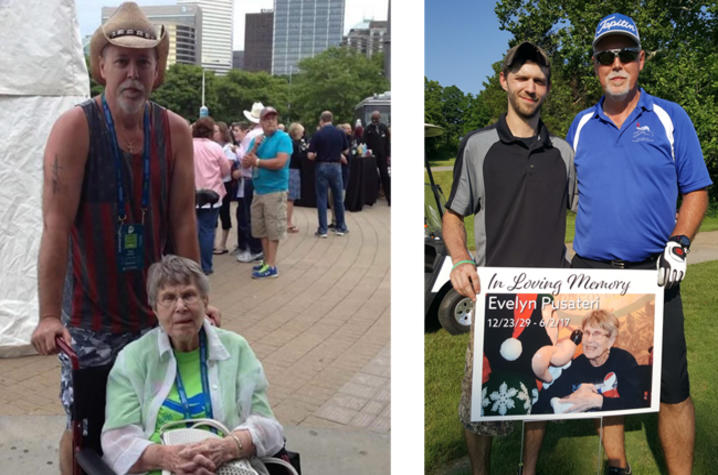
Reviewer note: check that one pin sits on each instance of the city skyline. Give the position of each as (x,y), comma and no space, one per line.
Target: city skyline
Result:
(88,13)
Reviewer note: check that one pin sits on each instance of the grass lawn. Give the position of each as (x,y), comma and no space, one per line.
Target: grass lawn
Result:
(448,162)
(442,160)
(571,447)
(710,221)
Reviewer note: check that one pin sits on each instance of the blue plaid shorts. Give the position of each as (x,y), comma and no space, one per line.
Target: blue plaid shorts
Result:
(93,349)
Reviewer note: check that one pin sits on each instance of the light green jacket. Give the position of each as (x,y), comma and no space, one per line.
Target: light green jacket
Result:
(144,373)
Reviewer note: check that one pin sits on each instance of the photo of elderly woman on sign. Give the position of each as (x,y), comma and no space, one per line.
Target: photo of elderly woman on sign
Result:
(185,369)
(603,377)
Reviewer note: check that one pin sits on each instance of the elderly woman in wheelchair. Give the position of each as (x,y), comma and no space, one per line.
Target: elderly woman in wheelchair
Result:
(185,369)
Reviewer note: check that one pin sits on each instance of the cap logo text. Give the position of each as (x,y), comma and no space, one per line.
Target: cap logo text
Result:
(611,23)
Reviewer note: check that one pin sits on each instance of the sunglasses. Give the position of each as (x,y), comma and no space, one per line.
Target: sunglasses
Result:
(608,56)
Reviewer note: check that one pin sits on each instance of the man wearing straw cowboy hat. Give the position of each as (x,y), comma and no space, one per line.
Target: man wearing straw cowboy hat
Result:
(249,248)
(118,192)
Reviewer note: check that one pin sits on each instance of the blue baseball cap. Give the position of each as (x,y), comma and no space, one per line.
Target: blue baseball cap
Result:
(616,24)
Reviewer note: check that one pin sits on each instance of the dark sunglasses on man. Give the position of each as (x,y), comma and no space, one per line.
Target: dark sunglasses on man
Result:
(626,55)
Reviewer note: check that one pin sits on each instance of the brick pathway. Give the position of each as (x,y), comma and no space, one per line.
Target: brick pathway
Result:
(321,329)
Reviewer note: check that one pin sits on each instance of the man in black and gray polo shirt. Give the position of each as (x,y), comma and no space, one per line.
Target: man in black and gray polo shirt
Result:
(518,181)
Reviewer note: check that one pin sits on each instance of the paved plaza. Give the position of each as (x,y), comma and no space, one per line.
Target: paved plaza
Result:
(321,330)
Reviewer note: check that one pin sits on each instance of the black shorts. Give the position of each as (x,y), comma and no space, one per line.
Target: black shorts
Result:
(675,386)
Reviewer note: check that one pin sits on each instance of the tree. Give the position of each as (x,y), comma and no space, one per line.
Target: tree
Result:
(433,114)
(681,43)
(95,87)
(238,90)
(451,109)
(181,91)
(432,103)
(455,108)
(336,80)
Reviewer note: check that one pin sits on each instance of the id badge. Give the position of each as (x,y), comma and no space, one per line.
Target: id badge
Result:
(130,254)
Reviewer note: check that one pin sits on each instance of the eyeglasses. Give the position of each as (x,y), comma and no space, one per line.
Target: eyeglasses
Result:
(595,334)
(169,299)
(608,56)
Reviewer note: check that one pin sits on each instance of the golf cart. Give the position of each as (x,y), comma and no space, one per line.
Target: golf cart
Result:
(441,301)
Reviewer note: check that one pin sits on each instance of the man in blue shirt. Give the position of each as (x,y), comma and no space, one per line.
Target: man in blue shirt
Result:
(635,154)
(329,147)
(269,155)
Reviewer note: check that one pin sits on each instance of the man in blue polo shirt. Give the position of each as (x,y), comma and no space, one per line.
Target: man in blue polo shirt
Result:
(329,147)
(635,154)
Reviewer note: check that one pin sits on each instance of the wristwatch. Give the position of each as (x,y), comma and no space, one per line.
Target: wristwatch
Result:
(681,239)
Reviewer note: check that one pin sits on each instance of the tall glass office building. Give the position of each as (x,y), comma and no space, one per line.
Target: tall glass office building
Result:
(304,28)
(216,33)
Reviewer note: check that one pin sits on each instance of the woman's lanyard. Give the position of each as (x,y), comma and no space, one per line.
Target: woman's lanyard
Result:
(130,237)
(205,381)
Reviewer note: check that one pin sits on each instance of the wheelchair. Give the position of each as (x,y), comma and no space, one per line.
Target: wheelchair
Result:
(87,416)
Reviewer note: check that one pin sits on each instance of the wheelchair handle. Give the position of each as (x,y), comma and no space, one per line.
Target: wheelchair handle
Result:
(67,349)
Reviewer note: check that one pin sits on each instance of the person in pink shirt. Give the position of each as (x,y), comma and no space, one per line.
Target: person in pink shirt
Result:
(223,138)
(210,166)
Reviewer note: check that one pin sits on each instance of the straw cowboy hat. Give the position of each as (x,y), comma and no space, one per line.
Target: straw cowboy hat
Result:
(254,115)
(129,27)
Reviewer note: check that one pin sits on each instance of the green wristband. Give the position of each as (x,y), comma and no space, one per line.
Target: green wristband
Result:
(465,261)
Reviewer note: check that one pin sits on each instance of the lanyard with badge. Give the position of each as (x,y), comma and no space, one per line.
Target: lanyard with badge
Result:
(205,381)
(130,237)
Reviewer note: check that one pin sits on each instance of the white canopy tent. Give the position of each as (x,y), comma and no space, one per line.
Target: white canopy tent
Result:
(42,74)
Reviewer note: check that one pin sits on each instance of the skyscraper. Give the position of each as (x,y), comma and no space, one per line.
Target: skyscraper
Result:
(216,33)
(258,41)
(368,37)
(183,24)
(304,28)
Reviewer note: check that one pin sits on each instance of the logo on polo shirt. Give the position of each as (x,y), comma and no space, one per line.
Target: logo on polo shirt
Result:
(642,133)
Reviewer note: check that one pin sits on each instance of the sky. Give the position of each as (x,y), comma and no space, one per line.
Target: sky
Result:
(89,13)
(462,40)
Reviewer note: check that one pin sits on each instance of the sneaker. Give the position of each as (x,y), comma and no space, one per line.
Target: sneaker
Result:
(265,272)
(340,232)
(320,235)
(235,251)
(250,256)
(242,256)
(620,471)
(258,266)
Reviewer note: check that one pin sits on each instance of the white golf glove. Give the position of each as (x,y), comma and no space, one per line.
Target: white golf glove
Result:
(672,264)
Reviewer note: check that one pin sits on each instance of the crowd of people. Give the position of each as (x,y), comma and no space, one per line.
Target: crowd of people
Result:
(258,165)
